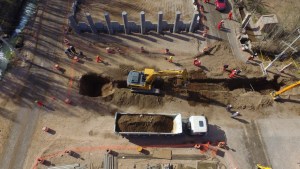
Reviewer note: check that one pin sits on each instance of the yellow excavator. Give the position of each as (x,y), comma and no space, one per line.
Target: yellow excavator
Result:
(142,81)
(259,166)
(276,96)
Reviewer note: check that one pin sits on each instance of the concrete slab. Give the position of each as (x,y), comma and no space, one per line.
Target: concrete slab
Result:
(282,138)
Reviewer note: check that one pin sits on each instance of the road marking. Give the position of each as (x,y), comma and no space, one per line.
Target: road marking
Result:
(263,143)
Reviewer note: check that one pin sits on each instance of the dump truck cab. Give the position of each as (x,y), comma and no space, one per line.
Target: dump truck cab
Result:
(197,125)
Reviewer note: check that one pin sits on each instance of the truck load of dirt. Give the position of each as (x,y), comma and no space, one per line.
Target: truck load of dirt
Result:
(145,123)
(93,85)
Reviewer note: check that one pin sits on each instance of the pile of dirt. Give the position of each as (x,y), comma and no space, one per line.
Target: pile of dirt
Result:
(124,97)
(145,123)
(94,85)
(120,73)
(197,74)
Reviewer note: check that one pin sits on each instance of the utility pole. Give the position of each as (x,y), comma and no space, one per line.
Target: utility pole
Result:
(288,46)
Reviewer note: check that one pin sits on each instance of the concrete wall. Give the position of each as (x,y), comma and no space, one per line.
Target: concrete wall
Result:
(127,27)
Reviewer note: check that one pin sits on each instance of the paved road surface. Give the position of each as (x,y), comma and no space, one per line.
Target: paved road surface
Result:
(282,140)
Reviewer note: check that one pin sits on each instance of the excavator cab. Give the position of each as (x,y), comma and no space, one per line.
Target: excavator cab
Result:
(142,81)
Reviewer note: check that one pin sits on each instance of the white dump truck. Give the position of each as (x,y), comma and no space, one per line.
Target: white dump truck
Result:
(159,124)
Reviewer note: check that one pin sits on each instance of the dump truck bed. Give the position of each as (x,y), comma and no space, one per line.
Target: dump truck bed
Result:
(148,124)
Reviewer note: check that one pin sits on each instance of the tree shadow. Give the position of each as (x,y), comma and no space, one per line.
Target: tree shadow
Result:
(7,114)
(161,36)
(177,36)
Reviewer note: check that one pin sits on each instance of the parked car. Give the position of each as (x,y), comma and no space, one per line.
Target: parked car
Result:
(220,5)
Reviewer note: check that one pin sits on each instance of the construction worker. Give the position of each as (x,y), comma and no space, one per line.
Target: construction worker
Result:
(68,52)
(197,62)
(142,50)
(235,114)
(109,50)
(98,59)
(66,41)
(39,103)
(56,66)
(76,59)
(201,9)
(72,49)
(230,15)
(167,51)
(225,67)
(171,59)
(232,74)
(228,107)
(220,24)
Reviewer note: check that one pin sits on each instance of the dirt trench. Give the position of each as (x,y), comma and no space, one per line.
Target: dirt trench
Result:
(94,85)
(198,90)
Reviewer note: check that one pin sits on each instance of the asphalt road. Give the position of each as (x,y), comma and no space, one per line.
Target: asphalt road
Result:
(282,138)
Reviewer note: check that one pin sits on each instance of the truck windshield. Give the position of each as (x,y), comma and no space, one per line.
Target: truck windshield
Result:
(201,124)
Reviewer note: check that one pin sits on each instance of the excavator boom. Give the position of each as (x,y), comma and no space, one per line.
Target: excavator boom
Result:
(275,95)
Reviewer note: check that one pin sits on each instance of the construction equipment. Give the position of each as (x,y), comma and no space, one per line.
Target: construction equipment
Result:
(124,122)
(262,167)
(142,81)
(276,96)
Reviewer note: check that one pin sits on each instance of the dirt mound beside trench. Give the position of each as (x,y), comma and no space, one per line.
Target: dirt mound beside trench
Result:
(145,123)
(124,97)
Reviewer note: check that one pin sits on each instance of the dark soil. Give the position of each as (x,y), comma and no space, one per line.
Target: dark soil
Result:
(91,84)
(144,123)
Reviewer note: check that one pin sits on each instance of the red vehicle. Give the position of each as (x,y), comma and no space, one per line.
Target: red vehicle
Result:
(220,5)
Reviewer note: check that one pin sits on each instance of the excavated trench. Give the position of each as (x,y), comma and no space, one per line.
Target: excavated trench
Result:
(94,85)
(261,85)
(199,89)
(91,84)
